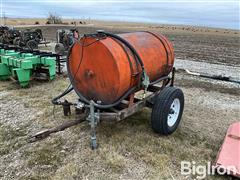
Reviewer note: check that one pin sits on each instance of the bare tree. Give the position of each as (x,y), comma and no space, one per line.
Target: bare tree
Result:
(54,19)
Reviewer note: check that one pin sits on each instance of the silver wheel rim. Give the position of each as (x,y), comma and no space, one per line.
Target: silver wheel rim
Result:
(173,112)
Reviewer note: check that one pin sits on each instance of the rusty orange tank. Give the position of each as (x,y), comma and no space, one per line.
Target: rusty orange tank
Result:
(103,69)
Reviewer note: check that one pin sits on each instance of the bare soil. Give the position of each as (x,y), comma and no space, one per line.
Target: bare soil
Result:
(129,149)
(219,46)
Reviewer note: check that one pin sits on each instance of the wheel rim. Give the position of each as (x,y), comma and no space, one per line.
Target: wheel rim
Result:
(173,112)
(32,45)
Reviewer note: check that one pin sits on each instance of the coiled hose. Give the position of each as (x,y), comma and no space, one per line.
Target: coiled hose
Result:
(125,95)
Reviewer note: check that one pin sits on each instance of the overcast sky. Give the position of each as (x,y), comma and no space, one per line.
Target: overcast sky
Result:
(213,13)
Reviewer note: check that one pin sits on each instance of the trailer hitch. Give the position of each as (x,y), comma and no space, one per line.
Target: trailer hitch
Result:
(93,119)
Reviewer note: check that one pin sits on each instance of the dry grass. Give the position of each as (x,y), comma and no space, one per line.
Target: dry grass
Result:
(128,150)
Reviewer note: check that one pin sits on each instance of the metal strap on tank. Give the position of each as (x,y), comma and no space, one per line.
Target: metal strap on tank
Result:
(164,38)
(163,43)
(129,60)
(144,77)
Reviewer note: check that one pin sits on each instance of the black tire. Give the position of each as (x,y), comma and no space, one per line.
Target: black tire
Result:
(59,49)
(163,110)
(1,39)
(39,31)
(16,42)
(32,44)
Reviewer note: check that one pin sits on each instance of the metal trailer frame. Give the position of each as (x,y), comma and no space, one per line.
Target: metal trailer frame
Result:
(127,107)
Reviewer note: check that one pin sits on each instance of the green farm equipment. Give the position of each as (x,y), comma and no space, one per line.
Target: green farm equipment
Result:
(22,66)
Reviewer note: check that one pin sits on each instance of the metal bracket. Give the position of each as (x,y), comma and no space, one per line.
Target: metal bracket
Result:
(145,80)
(79,105)
(66,108)
(93,119)
(173,76)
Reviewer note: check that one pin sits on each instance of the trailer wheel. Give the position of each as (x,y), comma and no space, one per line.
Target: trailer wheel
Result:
(167,110)
(59,49)
(16,41)
(32,44)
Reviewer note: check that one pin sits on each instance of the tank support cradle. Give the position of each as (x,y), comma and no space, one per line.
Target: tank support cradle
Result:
(91,113)
(93,118)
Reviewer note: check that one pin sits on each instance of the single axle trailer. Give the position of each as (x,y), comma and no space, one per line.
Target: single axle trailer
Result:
(116,76)
(165,100)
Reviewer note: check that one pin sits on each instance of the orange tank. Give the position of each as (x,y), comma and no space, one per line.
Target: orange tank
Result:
(103,69)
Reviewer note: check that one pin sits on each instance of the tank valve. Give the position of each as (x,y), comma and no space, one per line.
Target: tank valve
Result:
(89,73)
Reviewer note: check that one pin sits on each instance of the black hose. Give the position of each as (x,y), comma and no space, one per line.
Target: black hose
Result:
(68,90)
(139,60)
(220,78)
(55,100)
(160,79)
(125,95)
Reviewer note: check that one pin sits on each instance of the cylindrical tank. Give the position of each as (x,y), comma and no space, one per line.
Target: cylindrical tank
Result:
(103,69)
